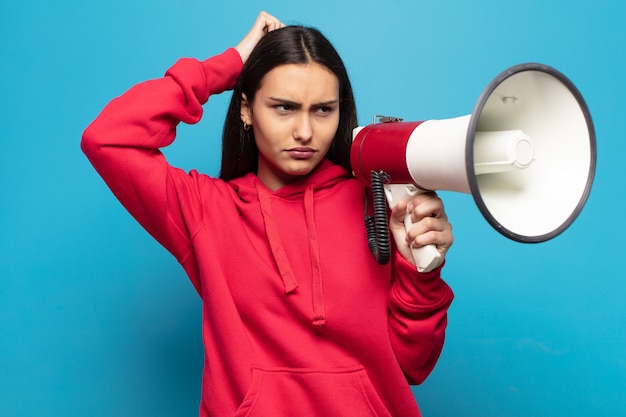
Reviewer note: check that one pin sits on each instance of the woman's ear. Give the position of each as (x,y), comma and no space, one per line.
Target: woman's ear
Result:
(245,111)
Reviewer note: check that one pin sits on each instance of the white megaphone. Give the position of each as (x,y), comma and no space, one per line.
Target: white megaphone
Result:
(527,154)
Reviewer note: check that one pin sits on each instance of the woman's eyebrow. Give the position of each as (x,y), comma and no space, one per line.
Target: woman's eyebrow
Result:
(297,105)
(327,103)
(285,101)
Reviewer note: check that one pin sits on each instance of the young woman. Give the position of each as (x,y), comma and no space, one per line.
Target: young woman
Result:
(298,318)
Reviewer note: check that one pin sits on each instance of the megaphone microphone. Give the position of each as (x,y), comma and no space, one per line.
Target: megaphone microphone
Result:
(527,155)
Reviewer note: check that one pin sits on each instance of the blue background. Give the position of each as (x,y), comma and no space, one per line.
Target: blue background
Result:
(97,319)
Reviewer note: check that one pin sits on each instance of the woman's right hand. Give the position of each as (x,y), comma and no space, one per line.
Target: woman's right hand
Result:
(264,23)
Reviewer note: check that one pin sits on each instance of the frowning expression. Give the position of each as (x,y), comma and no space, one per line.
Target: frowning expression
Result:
(294,116)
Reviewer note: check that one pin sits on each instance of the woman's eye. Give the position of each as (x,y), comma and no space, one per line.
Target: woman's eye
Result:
(284,107)
(325,110)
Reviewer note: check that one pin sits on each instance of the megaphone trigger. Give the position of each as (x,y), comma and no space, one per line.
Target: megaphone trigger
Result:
(426,257)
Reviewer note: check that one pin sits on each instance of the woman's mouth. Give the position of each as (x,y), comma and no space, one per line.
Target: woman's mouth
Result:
(301,152)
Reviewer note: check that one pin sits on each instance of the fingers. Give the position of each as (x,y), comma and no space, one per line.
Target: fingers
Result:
(429,222)
(267,23)
(263,24)
(430,230)
(423,205)
(426,205)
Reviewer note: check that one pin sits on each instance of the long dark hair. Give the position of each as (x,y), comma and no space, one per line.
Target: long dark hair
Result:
(289,45)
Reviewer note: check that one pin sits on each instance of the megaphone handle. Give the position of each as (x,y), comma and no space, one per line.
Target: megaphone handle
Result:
(426,257)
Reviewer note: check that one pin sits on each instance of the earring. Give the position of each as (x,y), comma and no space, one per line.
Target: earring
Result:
(246,126)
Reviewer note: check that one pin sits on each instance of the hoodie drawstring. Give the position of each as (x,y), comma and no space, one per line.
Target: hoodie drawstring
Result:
(280,257)
(319,318)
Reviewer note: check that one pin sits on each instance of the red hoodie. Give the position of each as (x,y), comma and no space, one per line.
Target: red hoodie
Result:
(298,318)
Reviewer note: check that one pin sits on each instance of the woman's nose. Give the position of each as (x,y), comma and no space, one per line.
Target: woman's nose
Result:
(303,131)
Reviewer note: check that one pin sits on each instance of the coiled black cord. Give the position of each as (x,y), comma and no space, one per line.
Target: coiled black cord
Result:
(377,224)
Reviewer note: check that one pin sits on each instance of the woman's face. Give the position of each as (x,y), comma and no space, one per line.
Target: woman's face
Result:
(294,116)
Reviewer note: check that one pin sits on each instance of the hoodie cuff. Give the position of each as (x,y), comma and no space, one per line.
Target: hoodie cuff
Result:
(222,71)
(416,290)
(201,79)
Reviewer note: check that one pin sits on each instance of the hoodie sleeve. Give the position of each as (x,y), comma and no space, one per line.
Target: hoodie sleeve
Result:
(123,143)
(418,305)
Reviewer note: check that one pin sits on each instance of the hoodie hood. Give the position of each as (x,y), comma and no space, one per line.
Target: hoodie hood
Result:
(324,176)
(305,190)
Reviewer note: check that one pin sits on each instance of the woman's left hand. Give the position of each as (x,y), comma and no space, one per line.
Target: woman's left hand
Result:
(430,226)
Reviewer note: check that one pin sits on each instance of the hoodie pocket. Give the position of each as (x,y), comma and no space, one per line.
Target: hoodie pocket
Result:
(276,392)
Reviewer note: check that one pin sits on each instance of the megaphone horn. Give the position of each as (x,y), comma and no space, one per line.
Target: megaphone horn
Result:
(527,155)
